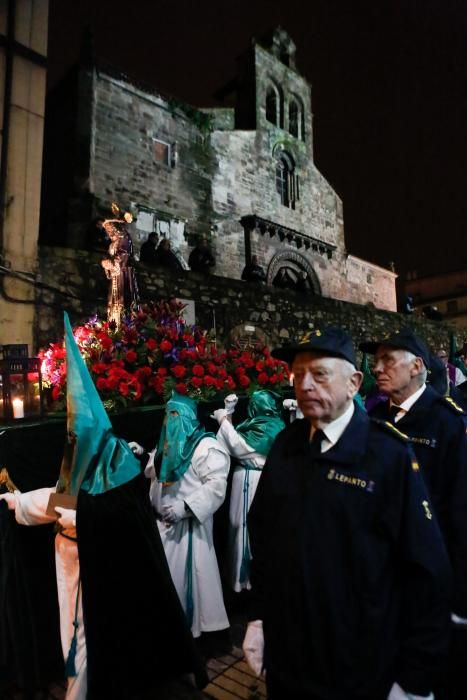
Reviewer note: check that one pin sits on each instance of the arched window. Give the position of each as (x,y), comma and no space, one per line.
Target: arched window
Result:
(294,119)
(286,181)
(282,180)
(273,105)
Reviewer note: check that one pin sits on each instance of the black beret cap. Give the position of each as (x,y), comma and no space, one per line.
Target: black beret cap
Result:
(405,339)
(332,341)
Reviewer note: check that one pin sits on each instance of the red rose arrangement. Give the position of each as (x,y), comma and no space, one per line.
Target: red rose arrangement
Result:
(154,352)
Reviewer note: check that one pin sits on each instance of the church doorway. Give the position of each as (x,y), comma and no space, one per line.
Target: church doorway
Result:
(290,270)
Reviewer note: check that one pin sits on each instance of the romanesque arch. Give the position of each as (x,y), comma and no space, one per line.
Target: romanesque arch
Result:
(291,270)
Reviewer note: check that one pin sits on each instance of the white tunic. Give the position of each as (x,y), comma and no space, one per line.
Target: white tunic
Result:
(202,488)
(30,509)
(244,482)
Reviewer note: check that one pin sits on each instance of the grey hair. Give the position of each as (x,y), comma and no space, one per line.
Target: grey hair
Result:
(347,368)
(410,357)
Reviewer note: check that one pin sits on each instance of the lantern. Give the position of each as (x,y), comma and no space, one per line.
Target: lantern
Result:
(21,384)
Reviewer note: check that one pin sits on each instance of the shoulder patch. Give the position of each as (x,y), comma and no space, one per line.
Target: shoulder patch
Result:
(447,400)
(391,429)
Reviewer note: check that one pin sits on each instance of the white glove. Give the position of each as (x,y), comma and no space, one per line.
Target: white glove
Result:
(398,694)
(67,517)
(290,404)
(253,646)
(175,512)
(454,618)
(136,448)
(219,414)
(9,499)
(230,402)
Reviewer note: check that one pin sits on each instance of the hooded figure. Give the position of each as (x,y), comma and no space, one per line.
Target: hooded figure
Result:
(250,443)
(107,545)
(190,485)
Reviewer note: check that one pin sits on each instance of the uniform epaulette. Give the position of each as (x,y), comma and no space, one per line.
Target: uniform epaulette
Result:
(390,428)
(448,401)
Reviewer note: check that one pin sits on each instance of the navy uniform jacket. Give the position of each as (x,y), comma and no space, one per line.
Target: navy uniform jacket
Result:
(436,427)
(349,570)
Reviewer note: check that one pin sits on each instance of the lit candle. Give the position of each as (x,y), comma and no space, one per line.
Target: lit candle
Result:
(291,378)
(18,408)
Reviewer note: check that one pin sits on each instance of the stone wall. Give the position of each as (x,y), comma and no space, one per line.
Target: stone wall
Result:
(220,170)
(74,280)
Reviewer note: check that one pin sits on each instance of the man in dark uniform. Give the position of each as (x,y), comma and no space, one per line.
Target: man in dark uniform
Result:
(436,427)
(148,252)
(201,259)
(350,577)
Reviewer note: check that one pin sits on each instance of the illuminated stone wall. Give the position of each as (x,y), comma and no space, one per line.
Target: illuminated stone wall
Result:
(74,280)
(221,168)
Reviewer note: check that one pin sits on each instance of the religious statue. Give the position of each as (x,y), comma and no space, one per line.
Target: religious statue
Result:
(118,266)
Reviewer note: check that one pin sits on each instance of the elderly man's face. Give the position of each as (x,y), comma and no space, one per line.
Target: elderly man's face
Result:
(324,386)
(394,370)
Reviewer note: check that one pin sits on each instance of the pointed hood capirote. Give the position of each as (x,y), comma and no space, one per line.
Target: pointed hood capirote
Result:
(99,460)
(180,435)
(264,421)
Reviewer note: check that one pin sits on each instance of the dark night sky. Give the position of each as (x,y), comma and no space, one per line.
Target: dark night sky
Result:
(389,98)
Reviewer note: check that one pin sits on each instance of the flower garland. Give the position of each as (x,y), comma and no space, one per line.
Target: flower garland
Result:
(154,352)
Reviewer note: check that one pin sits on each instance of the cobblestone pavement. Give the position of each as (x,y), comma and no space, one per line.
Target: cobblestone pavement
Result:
(229,678)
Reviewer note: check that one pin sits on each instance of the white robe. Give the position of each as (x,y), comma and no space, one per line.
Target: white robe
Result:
(244,482)
(202,488)
(30,509)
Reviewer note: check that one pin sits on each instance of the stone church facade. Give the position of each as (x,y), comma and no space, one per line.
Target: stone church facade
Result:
(242,176)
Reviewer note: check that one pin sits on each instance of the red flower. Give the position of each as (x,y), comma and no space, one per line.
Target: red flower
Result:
(263,378)
(198,370)
(113,382)
(260,365)
(143,372)
(239,371)
(196,382)
(162,371)
(123,389)
(157,383)
(131,356)
(244,380)
(181,388)
(178,371)
(56,392)
(270,362)
(274,378)
(151,344)
(99,367)
(230,382)
(212,369)
(105,340)
(101,384)
(166,346)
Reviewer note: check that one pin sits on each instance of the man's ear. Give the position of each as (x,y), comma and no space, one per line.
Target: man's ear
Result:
(417,367)
(356,381)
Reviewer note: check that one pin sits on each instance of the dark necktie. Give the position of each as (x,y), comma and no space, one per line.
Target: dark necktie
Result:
(393,411)
(315,443)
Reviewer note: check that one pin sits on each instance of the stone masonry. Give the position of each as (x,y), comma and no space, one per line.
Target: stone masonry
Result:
(231,310)
(242,176)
